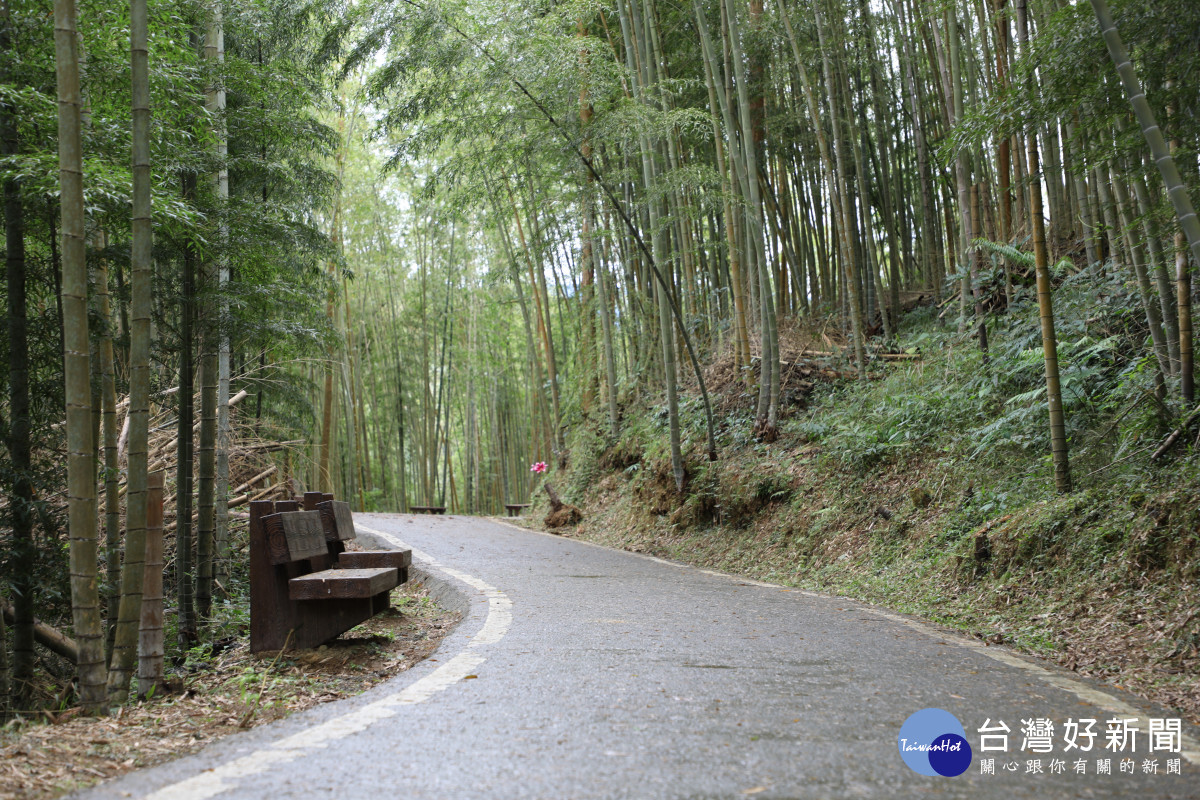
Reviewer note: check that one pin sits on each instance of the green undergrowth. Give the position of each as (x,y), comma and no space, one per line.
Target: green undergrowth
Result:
(928,489)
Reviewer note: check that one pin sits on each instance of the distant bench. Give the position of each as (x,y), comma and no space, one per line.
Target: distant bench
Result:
(427,509)
(305,587)
(515,509)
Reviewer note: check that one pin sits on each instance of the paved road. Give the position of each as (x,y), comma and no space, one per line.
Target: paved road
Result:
(583,672)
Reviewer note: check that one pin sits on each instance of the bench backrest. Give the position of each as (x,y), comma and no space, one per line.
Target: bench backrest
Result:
(294,536)
(336,520)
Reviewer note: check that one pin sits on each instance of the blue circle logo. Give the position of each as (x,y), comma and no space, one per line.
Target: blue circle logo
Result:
(933,742)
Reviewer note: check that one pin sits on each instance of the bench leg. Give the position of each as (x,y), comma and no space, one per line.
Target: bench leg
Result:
(322,620)
(381,602)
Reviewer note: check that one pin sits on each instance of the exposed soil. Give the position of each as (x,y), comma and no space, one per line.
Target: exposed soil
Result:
(213,696)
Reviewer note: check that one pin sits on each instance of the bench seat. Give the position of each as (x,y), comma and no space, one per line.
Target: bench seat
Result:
(343,584)
(375,559)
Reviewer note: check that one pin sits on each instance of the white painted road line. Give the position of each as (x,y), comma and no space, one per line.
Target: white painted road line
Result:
(229,775)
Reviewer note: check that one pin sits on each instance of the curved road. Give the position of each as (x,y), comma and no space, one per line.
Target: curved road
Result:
(584,672)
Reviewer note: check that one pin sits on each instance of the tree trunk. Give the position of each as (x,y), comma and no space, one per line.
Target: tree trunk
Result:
(716,88)
(1149,306)
(184,477)
(849,265)
(150,629)
(1058,437)
(24,553)
(1176,189)
(207,463)
(112,470)
(81,452)
(124,652)
(214,103)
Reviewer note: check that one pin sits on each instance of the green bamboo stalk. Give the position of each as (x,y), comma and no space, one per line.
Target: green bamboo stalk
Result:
(1058,437)
(1176,189)
(81,485)
(124,654)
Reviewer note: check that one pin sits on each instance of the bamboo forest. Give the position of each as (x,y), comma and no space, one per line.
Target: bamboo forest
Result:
(889,299)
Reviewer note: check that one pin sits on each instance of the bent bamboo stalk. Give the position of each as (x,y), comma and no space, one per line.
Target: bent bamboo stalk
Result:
(51,638)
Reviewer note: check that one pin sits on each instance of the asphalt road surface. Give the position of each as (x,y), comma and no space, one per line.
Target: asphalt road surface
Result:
(584,672)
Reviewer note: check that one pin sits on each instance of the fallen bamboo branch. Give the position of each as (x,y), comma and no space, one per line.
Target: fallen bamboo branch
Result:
(266,473)
(171,444)
(267,491)
(1174,437)
(51,638)
(271,446)
(240,500)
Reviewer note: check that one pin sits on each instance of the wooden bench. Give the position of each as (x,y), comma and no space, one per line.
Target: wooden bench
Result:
(305,587)
(514,509)
(427,509)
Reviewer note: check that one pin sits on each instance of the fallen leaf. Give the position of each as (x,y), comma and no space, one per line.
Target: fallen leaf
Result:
(755,790)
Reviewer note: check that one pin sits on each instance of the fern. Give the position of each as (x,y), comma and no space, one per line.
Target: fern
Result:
(1006,250)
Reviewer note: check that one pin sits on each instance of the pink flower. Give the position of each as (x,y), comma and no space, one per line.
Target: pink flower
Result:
(539,467)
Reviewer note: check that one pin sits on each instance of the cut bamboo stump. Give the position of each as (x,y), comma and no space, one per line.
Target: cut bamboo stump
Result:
(561,514)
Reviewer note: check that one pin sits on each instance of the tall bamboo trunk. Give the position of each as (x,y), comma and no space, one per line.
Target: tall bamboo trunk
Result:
(1058,437)
(644,85)
(850,269)
(610,366)
(81,486)
(588,371)
(962,178)
(185,575)
(150,630)
(330,319)
(112,471)
(206,470)
(1161,153)
(20,489)
(124,652)
(395,338)
(768,345)
(1137,258)
(737,282)
(214,54)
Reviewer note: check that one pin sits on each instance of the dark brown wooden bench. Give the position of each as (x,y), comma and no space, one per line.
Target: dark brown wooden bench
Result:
(515,509)
(427,509)
(305,587)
